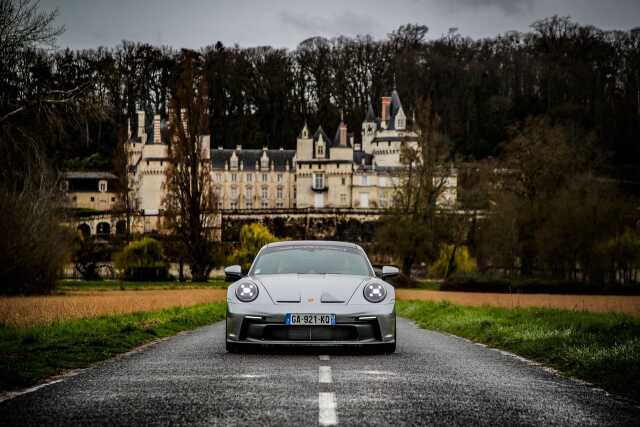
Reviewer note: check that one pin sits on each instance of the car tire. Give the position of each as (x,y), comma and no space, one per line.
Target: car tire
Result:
(388,348)
(232,347)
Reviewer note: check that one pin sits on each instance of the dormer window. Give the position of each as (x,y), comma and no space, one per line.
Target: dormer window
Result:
(320,150)
(234,162)
(102,186)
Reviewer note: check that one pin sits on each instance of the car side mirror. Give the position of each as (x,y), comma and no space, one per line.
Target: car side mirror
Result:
(233,273)
(389,271)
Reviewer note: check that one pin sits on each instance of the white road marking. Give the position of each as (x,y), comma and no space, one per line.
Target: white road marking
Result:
(324,357)
(327,415)
(324,374)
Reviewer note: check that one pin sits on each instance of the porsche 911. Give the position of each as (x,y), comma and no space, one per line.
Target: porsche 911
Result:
(311,293)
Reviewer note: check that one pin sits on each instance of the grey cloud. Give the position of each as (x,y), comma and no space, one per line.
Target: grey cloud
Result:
(347,23)
(509,7)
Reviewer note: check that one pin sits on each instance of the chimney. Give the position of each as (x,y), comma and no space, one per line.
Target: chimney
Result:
(386,106)
(343,134)
(156,129)
(140,124)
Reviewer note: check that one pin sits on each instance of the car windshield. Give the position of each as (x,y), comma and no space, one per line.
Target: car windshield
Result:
(311,260)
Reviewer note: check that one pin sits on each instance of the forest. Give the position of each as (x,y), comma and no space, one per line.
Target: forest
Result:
(262,95)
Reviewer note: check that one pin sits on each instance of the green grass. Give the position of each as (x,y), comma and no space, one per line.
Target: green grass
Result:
(601,348)
(29,355)
(64,286)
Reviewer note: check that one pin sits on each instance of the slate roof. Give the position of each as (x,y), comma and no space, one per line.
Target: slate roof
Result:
(371,115)
(396,106)
(89,175)
(249,157)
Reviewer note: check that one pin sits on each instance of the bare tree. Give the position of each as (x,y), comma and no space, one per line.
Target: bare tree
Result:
(190,203)
(410,229)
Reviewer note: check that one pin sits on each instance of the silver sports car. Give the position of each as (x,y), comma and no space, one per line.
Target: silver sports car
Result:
(311,293)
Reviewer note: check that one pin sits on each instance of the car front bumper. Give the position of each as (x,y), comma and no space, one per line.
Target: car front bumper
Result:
(360,326)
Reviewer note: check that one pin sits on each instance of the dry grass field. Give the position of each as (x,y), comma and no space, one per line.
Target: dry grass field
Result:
(39,310)
(593,303)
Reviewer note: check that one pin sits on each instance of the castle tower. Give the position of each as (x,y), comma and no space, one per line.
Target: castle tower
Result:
(369,127)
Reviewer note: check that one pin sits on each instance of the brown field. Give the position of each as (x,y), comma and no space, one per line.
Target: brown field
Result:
(37,310)
(595,303)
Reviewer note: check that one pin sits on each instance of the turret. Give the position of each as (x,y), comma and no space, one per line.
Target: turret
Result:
(369,128)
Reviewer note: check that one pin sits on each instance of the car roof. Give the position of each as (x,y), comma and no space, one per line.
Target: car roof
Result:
(312,243)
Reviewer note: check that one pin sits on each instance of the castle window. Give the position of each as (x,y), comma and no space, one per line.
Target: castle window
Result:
(113,199)
(160,162)
(249,195)
(234,177)
(279,205)
(234,204)
(249,177)
(264,204)
(320,150)
(93,199)
(279,177)
(102,186)
(343,197)
(383,200)
(382,181)
(279,193)
(249,204)
(234,193)
(318,181)
(264,177)
(219,177)
(364,180)
(344,180)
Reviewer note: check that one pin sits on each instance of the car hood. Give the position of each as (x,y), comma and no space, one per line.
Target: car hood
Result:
(310,288)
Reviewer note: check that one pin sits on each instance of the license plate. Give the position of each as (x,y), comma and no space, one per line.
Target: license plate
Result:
(310,319)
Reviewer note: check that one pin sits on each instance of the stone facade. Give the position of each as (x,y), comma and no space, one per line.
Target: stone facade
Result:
(253,179)
(322,173)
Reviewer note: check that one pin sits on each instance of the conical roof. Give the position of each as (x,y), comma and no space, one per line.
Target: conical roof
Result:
(371,115)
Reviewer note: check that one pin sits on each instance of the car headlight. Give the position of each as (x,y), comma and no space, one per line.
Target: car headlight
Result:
(374,292)
(247,291)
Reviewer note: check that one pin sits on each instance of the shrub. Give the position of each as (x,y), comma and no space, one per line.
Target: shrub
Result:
(252,238)
(462,262)
(89,255)
(142,260)
(533,285)
(33,246)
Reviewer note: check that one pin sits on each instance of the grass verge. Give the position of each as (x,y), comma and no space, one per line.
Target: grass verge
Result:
(65,286)
(601,348)
(29,355)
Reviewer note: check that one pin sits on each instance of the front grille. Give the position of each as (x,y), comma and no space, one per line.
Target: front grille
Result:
(340,332)
(310,333)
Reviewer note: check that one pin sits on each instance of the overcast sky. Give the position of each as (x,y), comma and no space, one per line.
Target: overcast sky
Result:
(285,23)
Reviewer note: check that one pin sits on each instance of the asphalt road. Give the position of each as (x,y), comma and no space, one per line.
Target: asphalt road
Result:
(432,379)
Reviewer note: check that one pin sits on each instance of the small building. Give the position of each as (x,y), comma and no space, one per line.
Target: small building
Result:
(98,191)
